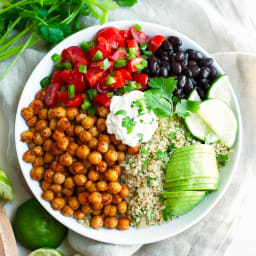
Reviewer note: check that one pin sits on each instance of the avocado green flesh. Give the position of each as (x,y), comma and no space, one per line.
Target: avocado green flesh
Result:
(196,155)
(191,181)
(198,147)
(196,187)
(183,194)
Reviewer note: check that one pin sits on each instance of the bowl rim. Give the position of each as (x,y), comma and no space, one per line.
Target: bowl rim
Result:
(109,239)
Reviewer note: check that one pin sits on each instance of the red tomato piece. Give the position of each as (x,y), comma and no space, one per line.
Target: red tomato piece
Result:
(104,46)
(142,79)
(62,96)
(126,34)
(75,55)
(133,44)
(74,77)
(139,36)
(118,55)
(90,54)
(51,95)
(56,77)
(112,35)
(75,102)
(102,100)
(132,64)
(120,82)
(99,64)
(126,74)
(156,43)
(93,75)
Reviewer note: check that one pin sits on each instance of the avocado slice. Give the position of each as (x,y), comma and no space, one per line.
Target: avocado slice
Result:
(190,181)
(197,147)
(195,155)
(183,194)
(196,187)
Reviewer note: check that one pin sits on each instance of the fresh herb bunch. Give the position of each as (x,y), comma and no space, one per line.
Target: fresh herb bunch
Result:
(49,20)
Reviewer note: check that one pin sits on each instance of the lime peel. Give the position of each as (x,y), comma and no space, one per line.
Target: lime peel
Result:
(6,190)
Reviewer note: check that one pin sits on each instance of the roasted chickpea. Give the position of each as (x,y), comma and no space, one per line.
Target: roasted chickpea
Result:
(41,94)
(93,143)
(103,146)
(58,203)
(96,212)
(93,175)
(111,156)
(38,139)
(51,114)
(110,210)
(114,140)
(83,152)
(106,198)
(63,124)
(58,135)
(122,147)
(48,175)
(95,198)
(31,145)
(80,117)
(118,169)
(46,132)
(66,159)
(45,185)
(123,223)
(78,168)
(43,114)
(97,206)
(37,173)
(117,199)
(87,209)
(124,191)
(88,184)
(80,179)
(27,113)
(96,222)
(85,136)
(38,150)
(32,121)
(78,129)
(93,131)
(72,148)
(102,111)
(72,113)
(104,137)
(102,166)
(55,150)
(101,124)
(88,122)
(92,188)
(60,112)
(39,161)
(110,222)
(120,156)
(29,156)
(73,203)
(122,207)
(95,157)
(67,192)
(57,167)
(79,215)
(36,105)
(48,195)
(59,178)
(102,185)
(67,211)
(27,136)
(69,183)
(111,175)
(134,150)
(83,198)
(63,143)
(114,187)
(53,124)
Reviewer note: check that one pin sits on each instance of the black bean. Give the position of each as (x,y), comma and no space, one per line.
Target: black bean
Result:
(164,57)
(206,86)
(176,68)
(153,59)
(166,45)
(205,72)
(180,56)
(182,96)
(202,82)
(164,72)
(175,41)
(166,64)
(177,48)
(192,63)
(146,71)
(177,91)
(153,67)
(189,86)
(201,93)
(172,58)
(182,80)
(195,70)
(206,62)
(188,72)
(214,73)
(195,55)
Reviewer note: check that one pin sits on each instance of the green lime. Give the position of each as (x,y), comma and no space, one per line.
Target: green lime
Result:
(6,191)
(46,252)
(35,228)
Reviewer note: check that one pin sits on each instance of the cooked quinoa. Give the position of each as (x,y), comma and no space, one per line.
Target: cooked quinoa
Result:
(144,172)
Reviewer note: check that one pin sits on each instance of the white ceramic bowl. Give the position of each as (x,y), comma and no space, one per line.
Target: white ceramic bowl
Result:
(133,235)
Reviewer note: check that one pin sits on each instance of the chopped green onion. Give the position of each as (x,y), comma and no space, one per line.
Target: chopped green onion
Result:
(134,85)
(86,46)
(92,111)
(86,104)
(105,64)
(59,66)
(71,91)
(140,66)
(82,69)
(143,46)
(45,82)
(56,58)
(110,94)
(147,53)
(91,93)
(120,63)
(110,80)
(98,56)
(138,27)
(67,65)
(131,53)
(120,112)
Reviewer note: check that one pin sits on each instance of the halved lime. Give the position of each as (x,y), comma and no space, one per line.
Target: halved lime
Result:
(46,252)
(6,190)
(194,96)
(221,119)
(220,89)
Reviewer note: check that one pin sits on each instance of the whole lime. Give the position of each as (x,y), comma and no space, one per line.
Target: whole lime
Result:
(34,228)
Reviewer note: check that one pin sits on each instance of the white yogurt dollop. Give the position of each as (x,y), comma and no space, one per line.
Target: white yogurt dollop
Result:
(129,120)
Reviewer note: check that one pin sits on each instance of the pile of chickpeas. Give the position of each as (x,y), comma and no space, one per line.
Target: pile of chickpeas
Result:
(77,162)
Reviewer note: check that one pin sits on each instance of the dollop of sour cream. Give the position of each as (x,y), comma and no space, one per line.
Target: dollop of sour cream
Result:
(130,120)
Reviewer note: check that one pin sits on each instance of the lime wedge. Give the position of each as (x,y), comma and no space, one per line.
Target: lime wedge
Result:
(46,252)
(220,89)
(194,96)
(221,119)
(6,191)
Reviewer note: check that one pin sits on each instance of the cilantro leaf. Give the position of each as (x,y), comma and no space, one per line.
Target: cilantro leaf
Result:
(150,214)
(223,159)
(128,123)
(127,3)
(108,5)
(140,135)
(120,112)
(185,106)
(167,214)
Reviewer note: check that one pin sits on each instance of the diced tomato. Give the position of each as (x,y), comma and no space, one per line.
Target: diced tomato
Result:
(104,46)
(142,79)
(120,82)
(126,34)
(118,55)
(90,54)
(126,74)
(62,96)
(74,77)
(102,100)
(93,75)
(133,44)
(99,64)
(139,36)
(132,64)
(112,35)
(75,102)
(56,77)
(51,95)
(75,55)
(156,43)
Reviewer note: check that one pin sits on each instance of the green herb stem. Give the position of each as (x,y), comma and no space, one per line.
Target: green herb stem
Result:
(14,5)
